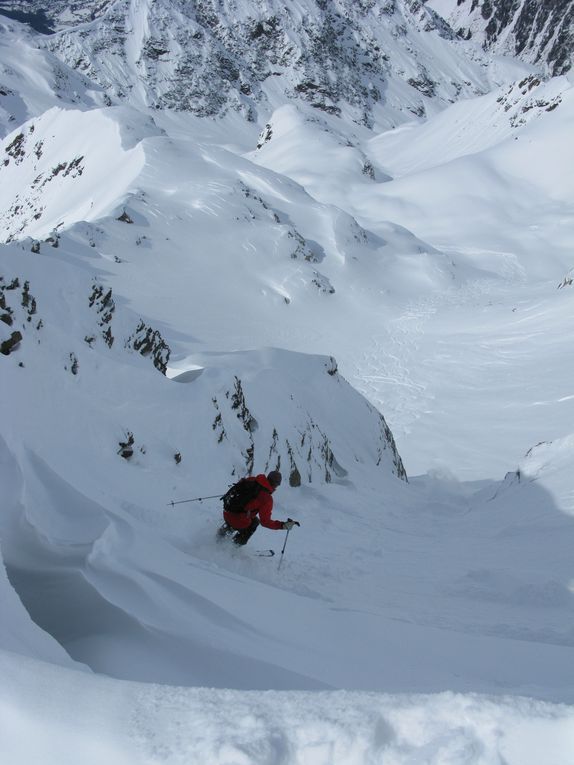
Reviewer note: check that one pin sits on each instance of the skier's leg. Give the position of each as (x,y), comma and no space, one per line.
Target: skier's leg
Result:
(224,531)
(244,535)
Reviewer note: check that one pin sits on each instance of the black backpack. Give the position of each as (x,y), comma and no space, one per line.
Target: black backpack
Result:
(242,492)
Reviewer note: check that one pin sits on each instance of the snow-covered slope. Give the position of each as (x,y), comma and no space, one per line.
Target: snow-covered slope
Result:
(183,300)
(504,184)
(510,146)
(292,267)
(138,588)
(482,183)
(33,80)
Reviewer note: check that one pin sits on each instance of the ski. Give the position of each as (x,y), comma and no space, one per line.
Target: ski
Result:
(264,553)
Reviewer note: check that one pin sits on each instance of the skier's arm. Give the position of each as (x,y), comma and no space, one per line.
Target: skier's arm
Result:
(265,508)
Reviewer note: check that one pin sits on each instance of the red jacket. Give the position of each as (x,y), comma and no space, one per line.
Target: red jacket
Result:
(262,505)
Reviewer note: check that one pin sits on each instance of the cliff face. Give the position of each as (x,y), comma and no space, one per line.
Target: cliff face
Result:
(537,31)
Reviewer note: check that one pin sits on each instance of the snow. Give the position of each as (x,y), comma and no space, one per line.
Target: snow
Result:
(469,198)
(85,163)
(133,722)
(292,294)
(32,80)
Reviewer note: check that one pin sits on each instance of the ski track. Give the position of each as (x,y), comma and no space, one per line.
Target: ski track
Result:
(386,370)
(402,367)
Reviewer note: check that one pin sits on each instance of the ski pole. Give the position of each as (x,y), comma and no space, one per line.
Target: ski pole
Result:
(195,499)
(283,550)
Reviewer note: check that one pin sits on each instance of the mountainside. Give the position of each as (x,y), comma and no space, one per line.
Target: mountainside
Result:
(536,31)
(373,62)
(328,238)
(33,80)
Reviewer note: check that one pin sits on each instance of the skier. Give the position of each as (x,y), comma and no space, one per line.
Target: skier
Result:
(241,519)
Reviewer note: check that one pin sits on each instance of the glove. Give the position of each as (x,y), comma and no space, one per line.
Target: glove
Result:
(289,523)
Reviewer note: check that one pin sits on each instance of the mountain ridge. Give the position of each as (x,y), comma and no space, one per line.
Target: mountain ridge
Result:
(370,61)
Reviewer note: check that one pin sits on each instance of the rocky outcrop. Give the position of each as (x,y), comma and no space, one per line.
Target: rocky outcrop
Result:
(296,414)
(149,342)
(102,303)
(7,346)
(527,99)
(18,308)
(145,340)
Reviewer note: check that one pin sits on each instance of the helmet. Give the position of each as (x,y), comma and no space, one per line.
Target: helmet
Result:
(274,478)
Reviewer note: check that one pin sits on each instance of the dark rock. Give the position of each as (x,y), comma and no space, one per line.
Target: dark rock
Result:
(149,342)
(239,404)
(11,344)
(126,447)
(295,478)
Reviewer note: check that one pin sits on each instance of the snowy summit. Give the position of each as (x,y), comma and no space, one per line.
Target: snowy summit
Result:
(324,245)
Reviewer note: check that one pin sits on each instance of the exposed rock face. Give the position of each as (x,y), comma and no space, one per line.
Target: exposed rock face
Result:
(537,31)
(17,309)
(11,343)
(149,342)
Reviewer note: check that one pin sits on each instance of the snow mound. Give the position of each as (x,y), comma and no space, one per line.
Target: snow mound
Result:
(302,418)
(303,147)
